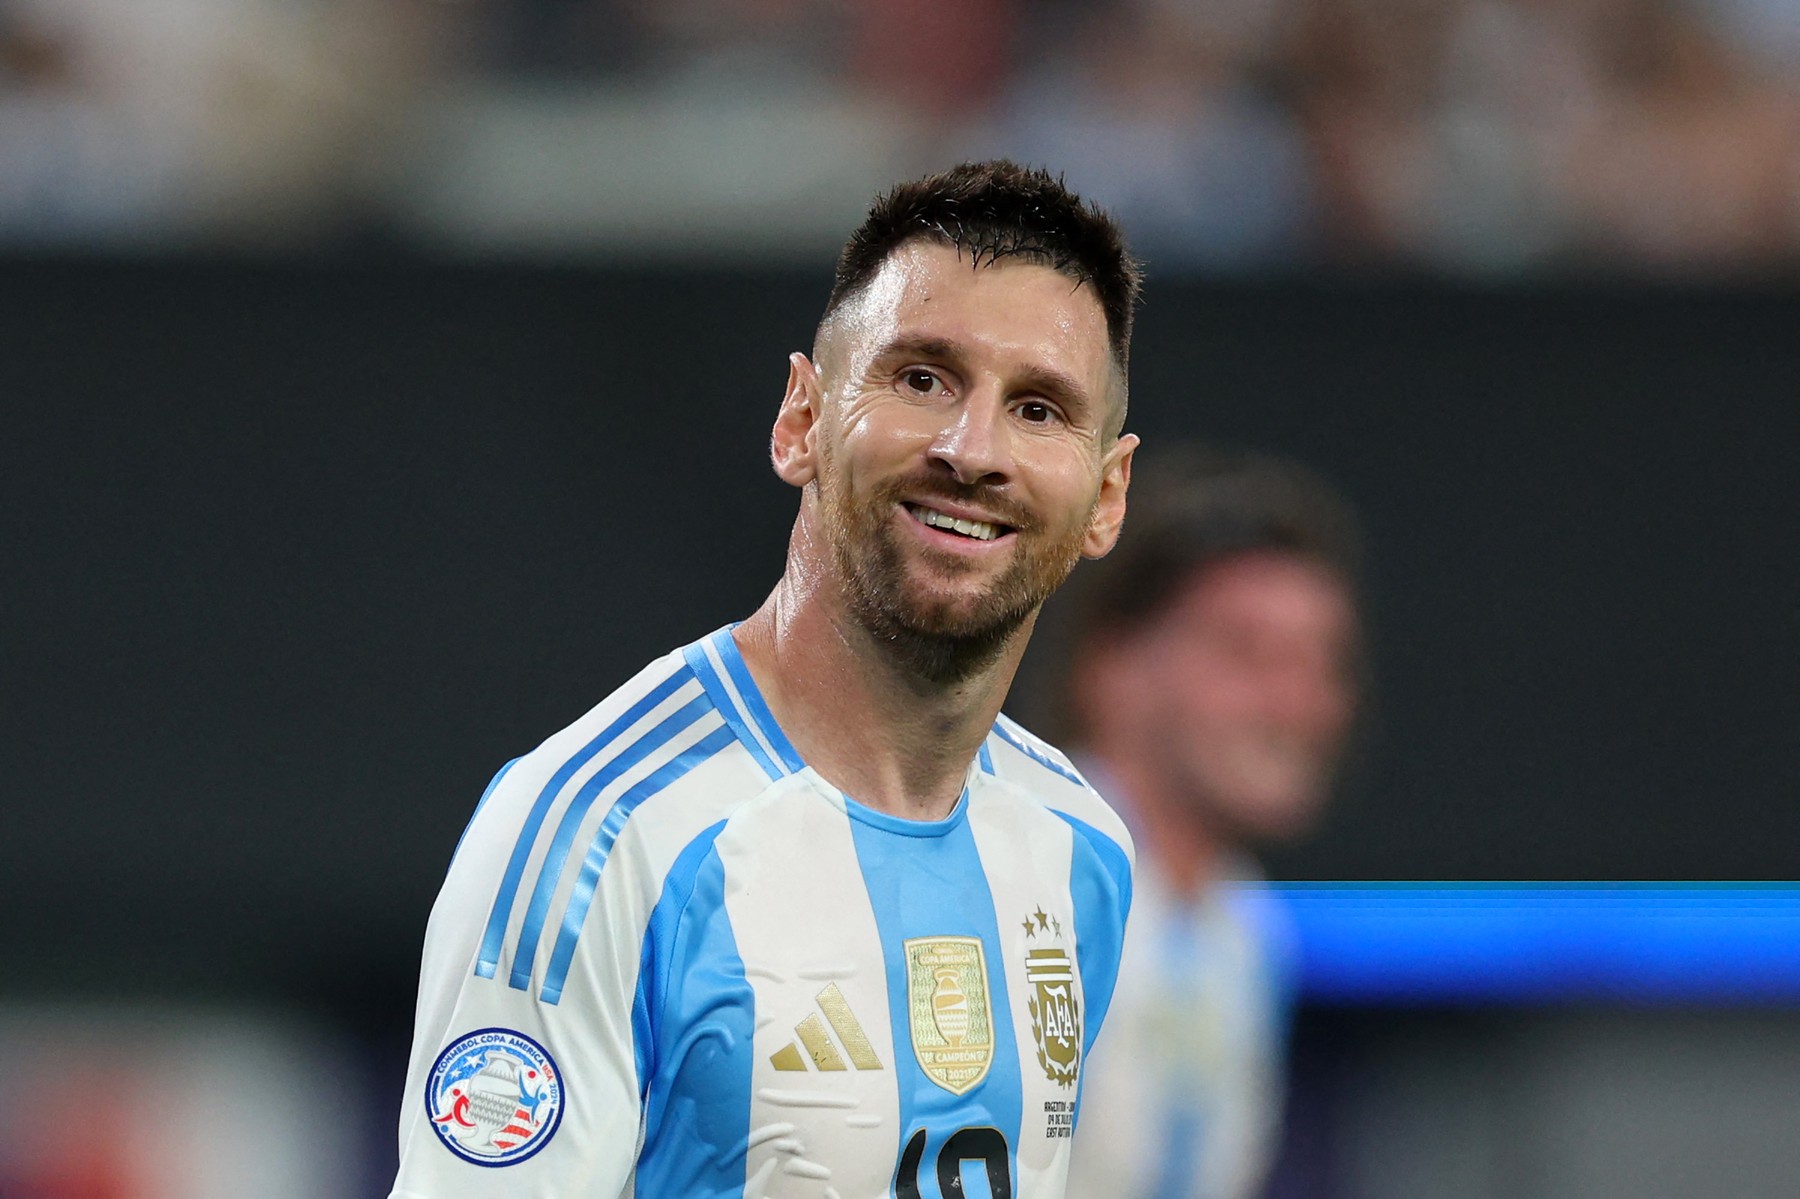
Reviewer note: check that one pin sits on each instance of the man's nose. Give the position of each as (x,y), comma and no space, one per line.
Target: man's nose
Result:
(976,443)
(1303,690)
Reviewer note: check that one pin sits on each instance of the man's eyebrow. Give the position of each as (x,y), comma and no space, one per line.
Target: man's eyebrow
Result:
(921,345)
(1056,384)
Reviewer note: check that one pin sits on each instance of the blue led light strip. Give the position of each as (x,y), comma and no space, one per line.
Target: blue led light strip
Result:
(1529,942)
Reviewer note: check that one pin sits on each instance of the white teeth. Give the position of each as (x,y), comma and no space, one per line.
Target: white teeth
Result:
(978,529)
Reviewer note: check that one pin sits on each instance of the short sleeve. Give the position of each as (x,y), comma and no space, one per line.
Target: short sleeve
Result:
(523,1076)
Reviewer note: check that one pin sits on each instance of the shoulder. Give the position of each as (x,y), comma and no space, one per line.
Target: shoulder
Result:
(665,687)
(578,841)
(1044,772)
(655,748)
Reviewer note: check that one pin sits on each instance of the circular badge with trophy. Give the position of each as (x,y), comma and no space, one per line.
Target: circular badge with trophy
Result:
(494,1097)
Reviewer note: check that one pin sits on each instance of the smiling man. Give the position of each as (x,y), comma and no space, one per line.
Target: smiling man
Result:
(796,911)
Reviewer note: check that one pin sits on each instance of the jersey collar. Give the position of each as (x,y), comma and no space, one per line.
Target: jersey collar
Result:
(719,665)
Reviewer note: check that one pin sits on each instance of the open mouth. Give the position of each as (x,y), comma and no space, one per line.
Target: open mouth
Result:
(975,530)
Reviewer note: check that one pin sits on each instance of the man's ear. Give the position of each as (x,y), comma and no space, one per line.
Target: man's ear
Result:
(792,446)
(1109,512)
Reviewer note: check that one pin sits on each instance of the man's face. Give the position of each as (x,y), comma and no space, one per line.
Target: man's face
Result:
(1245,684)
(961,449)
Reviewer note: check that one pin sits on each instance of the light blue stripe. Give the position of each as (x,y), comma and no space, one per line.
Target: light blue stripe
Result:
(480,804)
(1500,942)
(702,666)
(936,887)
(987,757)
(487,961)
(1183,1132)
(699,1065)
(1036,755)
(656,959)
(1100,885)
(575,915)
(550,872)
(753,700)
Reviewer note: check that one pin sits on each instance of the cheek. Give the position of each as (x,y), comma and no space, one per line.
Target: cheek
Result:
(1200,712)
(1334,710)
(1205,696)
(1062,478)
(1170,695)
(884,435)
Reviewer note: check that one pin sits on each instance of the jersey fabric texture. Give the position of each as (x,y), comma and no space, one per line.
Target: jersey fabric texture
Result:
(1186,1102)
(709,973)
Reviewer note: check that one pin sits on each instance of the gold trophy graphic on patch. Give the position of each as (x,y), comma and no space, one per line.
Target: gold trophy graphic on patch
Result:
(950,1016)
(950,1007)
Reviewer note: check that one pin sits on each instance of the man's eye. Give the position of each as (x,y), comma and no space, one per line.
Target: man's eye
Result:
(920,381)
(1037,412)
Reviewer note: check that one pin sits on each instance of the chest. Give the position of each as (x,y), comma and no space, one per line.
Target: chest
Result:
(912,1010)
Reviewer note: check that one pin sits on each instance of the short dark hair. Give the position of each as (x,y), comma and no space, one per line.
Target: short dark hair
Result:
(996,210)
(1192,506)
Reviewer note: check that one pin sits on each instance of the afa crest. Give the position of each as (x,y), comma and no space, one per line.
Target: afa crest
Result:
(1055,1009)
(948,1010)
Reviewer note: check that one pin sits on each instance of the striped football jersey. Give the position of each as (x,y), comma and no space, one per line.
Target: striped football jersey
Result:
(670,961)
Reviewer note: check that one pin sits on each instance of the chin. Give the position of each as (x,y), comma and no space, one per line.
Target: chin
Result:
(944,620)
(938,640)
(1273,819)
(960,624)
(961,609)
(948,615)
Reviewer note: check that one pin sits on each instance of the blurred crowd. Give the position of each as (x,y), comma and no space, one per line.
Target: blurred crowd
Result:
(1462,136)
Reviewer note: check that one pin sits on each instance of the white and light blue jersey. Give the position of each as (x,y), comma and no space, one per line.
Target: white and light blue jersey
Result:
(1186,1102)
(670,961)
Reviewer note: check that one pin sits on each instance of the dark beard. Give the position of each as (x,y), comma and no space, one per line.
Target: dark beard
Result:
(926,639)
(938,658)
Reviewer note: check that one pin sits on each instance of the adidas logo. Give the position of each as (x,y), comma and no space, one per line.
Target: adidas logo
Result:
(824,1054)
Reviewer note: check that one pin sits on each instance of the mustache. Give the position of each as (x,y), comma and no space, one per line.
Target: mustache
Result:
(986,497)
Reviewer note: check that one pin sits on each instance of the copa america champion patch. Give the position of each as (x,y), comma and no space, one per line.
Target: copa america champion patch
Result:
(494,1097)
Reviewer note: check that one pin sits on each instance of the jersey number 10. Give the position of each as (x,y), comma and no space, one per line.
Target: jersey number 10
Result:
(984,1145)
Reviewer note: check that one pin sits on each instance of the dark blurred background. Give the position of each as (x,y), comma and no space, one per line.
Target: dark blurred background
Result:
(384,383)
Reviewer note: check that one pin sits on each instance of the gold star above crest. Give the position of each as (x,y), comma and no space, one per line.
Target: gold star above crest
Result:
(1030,931)
(1056,925)
(1043,920)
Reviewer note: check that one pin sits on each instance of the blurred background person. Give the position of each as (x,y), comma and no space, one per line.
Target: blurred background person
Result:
(1211,677)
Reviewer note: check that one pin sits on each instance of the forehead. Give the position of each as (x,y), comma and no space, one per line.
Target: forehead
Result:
(1011,310)
(1272,590)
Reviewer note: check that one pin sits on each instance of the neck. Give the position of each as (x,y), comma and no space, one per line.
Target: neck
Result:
(883,733)
(1186,850)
